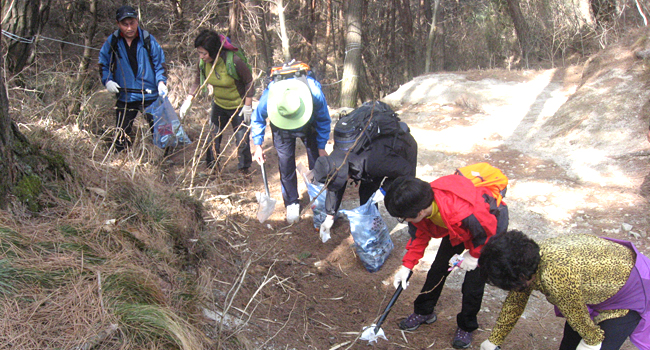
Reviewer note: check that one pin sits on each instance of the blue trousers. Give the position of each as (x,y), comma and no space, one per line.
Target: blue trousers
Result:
(284,142)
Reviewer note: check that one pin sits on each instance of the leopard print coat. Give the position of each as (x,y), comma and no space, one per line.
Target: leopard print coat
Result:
(574,270)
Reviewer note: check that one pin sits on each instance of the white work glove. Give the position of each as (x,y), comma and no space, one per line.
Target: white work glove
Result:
(469,262)
(325,228)
(584,346)
(112,86)
(402,276)
(185,107)
(162,89)
(487,345)
(246,112)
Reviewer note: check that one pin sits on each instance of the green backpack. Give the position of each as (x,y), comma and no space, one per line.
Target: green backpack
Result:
(231,51)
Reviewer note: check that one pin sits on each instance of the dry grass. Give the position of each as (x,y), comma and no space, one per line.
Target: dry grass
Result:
(119,256)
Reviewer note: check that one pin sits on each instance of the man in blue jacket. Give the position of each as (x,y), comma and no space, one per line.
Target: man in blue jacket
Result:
(132,66)
(296,108)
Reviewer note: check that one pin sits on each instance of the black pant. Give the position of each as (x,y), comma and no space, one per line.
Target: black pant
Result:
(472,290)
(616,332)
(367,189)
(220,118)
(284,142)
(125,114)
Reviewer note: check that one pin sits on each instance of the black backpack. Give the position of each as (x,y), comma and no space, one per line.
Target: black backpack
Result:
(115,54)
(366,123)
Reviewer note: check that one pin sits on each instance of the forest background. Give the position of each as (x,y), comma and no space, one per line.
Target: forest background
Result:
(99,251)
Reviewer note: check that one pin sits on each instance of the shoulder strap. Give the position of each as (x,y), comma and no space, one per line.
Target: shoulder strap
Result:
(115,54)
(230,64)
(146,42)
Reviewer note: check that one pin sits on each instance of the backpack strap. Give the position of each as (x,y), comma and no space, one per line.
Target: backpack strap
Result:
(115,53)
(230,64)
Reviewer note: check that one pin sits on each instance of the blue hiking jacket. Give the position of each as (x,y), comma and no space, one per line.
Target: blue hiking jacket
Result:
(147,77)
(320,116)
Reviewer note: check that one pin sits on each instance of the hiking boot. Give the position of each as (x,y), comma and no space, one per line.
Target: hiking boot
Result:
(293,213)
(244,171)
(462,339)
(414,321)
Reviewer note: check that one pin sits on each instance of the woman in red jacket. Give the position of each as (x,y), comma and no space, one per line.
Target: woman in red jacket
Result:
(465,217)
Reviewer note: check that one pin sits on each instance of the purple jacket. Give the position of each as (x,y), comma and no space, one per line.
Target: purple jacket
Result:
(635,295)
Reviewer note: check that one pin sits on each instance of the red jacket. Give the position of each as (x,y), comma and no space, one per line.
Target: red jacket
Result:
(464,210)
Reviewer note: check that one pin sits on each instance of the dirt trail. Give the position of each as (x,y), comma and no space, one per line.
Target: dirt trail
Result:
(322,296)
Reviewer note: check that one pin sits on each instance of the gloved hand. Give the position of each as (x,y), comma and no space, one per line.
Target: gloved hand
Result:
(584,346)
(325,228)
(185,107)
(469,262)
(246,112)
(112,86)
(162,89)
(487,345)
(258,154)
(401,276)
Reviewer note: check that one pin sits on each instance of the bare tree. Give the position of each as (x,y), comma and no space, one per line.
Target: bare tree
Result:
(431,37)
(284,37)
(521,28)
(24,18)
(349,87)
(7,172)
(82,83)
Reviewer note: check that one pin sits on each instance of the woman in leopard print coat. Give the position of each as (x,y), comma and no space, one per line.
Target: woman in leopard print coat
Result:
(600,285)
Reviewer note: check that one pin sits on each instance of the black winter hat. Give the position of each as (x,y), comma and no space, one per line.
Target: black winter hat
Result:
(125,12)
(325,168)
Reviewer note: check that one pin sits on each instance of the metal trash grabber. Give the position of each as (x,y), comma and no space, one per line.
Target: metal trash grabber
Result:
(374,332)
(267,204)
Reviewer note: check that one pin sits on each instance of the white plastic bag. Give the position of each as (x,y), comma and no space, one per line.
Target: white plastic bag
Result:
(371,235)
(167,129)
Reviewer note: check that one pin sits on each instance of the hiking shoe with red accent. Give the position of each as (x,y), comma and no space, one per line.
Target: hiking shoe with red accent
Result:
(462,339)
(414,321)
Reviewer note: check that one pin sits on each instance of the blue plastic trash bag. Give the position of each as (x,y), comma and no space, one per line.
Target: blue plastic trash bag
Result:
(371,235)
(318,207)
(167,129)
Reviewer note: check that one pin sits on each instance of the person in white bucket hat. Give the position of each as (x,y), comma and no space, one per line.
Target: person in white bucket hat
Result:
(297,109)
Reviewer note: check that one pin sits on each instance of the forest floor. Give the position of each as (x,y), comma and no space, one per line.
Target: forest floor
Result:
(532,125)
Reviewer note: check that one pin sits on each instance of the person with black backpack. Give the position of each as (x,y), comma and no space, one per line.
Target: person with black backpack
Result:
(381,159)
(132,66)
(297,109)
(225,68)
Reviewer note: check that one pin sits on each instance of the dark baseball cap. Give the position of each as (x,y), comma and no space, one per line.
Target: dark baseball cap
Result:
(125,12)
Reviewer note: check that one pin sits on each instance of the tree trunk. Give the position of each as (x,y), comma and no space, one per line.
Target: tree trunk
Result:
(431,37)
(178,9)
(349,87)
(407,27)
(82,84)
(521,28)
(233,17)
(25,18)
(7,173)
(284,37)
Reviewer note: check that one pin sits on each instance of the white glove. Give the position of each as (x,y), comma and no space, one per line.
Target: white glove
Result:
(325,228)
(185,107)
(162,89)
(455,261)
(246,113)
(469,262)
(402,276)
(112,86)
(584,346)
(487,345)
